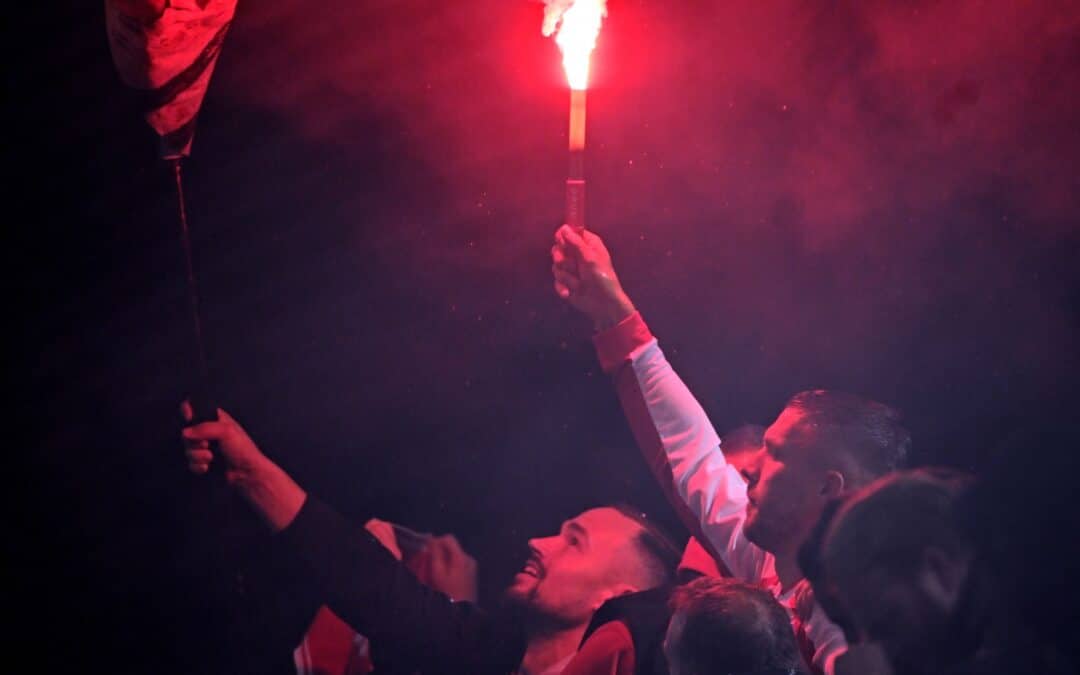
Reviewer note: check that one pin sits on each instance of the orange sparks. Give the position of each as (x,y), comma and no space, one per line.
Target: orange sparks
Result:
(577,23)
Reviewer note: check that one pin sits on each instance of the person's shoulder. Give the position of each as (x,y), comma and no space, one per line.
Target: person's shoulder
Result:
(608,649)
(640,619)
(631,607)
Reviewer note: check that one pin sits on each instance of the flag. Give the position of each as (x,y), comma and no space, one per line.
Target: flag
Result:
(168,49)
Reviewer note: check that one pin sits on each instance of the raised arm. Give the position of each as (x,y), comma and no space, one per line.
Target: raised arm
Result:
(673,432)
(360,579)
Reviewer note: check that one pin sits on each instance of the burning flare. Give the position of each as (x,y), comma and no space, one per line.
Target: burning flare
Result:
(576,23)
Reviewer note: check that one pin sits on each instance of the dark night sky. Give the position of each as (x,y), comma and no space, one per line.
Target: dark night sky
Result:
(876,196)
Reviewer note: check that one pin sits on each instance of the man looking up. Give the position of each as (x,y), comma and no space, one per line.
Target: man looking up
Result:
(822,444)
(601,553)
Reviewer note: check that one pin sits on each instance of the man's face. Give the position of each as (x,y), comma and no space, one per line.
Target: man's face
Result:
(784,487)
(569,575)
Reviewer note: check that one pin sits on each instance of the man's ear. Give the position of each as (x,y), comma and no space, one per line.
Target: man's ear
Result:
(942,576)
(613,591)
(833,484)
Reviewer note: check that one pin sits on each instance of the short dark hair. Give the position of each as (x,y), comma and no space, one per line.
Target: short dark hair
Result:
(865,431)
(659,553)
(733,627)
(890,523)
(745,438)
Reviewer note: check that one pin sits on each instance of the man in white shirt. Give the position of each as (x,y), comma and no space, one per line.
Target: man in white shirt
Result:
(822,444)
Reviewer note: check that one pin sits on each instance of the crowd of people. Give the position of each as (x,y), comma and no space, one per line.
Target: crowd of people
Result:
(814,547)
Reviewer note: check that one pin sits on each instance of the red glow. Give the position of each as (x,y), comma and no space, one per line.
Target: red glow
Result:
(578,25)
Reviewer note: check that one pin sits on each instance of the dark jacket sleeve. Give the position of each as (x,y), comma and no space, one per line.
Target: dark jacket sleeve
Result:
(406,622)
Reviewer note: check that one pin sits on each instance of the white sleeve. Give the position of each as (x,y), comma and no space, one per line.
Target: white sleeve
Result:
(712,489)
(827,638)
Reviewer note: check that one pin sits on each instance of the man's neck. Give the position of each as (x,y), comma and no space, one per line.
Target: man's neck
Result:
(549,648)
(787,569)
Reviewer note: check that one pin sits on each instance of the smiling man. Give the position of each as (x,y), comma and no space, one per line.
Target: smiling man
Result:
(600,554)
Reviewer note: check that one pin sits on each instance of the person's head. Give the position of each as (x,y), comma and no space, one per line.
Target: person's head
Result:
(813,569)
(823,444)
(895,561)
(741,443)
(600,554)
(724,626)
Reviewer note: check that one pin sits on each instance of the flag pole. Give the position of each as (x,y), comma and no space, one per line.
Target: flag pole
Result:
(201,399)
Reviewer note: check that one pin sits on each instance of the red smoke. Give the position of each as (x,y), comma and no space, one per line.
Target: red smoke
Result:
(826,183)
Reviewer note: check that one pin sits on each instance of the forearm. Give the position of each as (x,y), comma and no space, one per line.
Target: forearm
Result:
(274,495)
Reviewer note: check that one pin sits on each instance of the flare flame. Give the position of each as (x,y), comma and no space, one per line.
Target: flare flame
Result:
(575,23)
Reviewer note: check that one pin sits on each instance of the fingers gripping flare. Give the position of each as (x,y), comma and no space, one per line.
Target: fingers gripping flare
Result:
(564,263)
(584,276)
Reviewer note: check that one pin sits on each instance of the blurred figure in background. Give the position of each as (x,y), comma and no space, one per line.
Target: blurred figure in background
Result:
(954,576)
(892,566)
